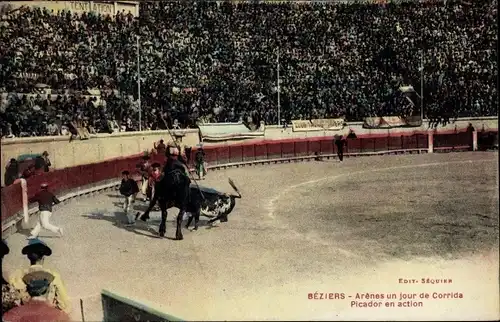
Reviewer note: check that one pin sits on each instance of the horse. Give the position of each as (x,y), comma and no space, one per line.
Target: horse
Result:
(173,190)
(200,201)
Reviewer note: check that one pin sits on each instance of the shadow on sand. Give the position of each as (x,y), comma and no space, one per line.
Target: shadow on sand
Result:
(119,220)
(114,195)
(27,232)
(141,207)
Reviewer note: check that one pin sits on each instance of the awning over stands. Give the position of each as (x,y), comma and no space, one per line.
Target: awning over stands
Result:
(228,131)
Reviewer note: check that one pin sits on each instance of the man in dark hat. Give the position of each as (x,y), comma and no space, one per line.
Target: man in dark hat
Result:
(39,307)
(45,200)
(36,251)
(128,189)
(36,247)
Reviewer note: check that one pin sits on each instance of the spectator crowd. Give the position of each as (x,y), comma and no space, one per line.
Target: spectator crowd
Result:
(218,62)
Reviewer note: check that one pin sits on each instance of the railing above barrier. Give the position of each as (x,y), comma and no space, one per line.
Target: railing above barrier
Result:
(63,180)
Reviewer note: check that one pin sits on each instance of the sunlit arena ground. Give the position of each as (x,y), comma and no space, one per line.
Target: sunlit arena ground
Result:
(328,227)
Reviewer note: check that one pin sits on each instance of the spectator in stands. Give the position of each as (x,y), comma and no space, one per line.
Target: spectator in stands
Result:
(39,307)
(11,172)
(10,296)
(36,251)
(52,129)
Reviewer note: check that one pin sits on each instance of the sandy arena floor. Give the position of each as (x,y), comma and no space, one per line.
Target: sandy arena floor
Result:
(327,227)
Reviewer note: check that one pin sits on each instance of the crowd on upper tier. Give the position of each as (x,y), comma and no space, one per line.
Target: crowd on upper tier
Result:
(218,62)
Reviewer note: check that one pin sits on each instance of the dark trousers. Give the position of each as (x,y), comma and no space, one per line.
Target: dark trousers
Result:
(340,153)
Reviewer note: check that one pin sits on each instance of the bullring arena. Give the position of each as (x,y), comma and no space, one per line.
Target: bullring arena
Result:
(303,235)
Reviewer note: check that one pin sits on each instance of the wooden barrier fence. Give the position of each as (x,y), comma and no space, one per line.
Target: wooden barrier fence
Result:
(79,177)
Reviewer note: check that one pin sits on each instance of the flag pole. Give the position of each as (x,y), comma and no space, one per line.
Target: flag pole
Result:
(422,85)
(278,74)
(139,84)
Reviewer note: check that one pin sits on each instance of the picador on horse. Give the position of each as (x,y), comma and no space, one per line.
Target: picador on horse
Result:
(172,189)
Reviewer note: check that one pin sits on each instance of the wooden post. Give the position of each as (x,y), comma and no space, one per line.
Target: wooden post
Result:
(24,189)
(81,310)
(430,136)
(474,140)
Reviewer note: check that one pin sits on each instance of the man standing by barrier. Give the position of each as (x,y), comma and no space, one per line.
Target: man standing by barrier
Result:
(128,189)
(160,148)
(154,178)
(470,131)
(187,153)
(199,160)
(42,162)
(45,201)
(145,169)
(11,172)
(340,142)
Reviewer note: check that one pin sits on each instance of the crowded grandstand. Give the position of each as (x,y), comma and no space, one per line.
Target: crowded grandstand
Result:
(177,65)
(218,61)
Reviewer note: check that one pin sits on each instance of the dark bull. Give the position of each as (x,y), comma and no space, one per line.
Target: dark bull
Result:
(195,202)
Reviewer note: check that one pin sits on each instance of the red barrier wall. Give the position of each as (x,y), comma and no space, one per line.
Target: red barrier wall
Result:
(11,200)
(70,178)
